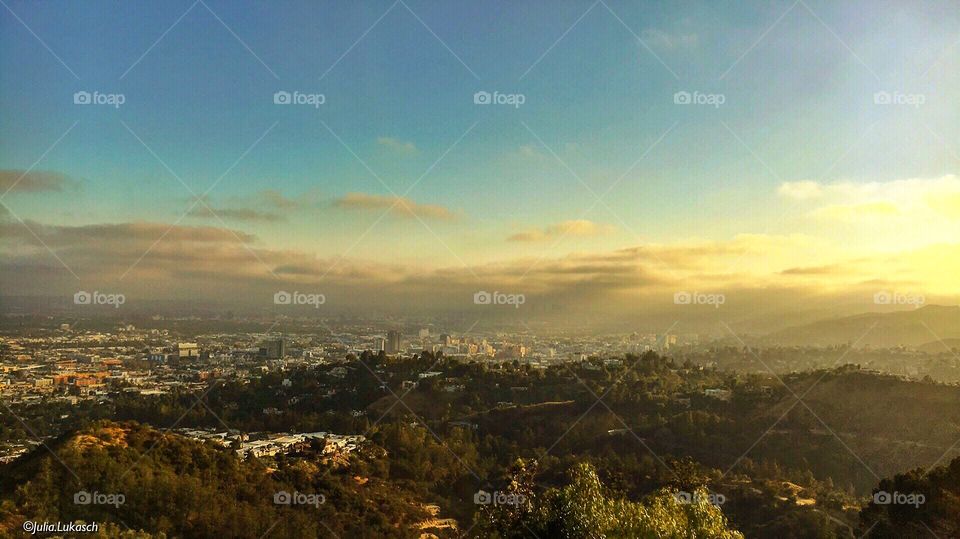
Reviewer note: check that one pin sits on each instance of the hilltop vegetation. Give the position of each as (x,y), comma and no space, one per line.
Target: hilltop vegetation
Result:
(583,508)
(783,468)
(934,511)
(175,487)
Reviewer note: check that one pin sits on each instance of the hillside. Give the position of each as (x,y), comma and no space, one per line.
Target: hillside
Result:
(911,328)
(138,478)
(940,346)
(919,503)
(886,424)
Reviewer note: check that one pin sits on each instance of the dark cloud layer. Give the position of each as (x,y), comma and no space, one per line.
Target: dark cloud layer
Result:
(35,181)
(619,288)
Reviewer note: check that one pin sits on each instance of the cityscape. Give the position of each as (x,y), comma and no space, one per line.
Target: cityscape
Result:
(582,269)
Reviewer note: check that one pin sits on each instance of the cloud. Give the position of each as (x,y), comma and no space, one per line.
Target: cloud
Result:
(20,181)
(275,199)
(529,151)
(946,204)
(580,228)
(831,269)
(801,190)
(397,145)
(204,265)
(114,233)
(660,39)
(906,194)
(858,212)
(924,202)
(268,205)
(398,206)
(204,211)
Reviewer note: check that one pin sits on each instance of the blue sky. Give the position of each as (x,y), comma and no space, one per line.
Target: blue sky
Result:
(798,81)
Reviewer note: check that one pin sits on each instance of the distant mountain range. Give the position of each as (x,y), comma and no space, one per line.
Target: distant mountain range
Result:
(931,328)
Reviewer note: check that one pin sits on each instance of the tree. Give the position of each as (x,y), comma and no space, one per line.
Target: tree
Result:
(583,510)
(916,504)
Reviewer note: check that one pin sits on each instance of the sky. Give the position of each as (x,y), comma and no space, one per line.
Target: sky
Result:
(797,154)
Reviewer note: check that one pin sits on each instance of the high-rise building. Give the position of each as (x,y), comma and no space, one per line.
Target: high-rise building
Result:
(393,342)
(188,350)
(275,349)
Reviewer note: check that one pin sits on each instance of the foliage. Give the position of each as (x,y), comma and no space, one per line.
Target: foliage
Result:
(937,515)
(582,509)
(182,488)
